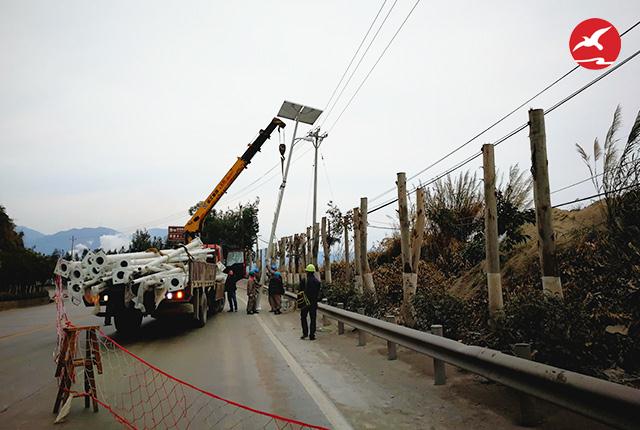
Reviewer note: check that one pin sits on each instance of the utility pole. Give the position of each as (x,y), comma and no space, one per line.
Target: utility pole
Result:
(317,141)
(73,240)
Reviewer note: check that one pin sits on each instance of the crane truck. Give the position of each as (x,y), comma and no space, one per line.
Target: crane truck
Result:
(131,295)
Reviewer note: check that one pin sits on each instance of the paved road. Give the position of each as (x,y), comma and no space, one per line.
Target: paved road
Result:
(260,361)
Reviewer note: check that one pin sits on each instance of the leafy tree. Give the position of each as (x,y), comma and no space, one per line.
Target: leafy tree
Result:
(20,269)
(142,240)
(337,223)
(232,229)
(9,238)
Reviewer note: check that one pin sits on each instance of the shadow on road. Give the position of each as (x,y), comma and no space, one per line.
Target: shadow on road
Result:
(163,329)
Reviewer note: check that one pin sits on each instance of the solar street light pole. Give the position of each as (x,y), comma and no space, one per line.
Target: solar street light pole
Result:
(298,113)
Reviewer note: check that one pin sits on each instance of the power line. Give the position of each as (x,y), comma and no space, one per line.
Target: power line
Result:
(605,74)
(374,65)
(353,58)
(359,62)
(520,128)
(504,117)
(326,174)
(592,177)
(597,195)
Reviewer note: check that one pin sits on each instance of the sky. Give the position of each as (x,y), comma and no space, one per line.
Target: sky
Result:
(125,113)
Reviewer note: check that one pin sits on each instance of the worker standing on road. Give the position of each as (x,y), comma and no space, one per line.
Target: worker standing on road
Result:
(310,291)
(252,292)
(276,289)
(230,289)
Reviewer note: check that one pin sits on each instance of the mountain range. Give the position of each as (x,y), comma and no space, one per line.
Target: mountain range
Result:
(89,237)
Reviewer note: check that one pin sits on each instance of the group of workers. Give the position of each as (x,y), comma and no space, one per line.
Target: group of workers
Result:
(308,292)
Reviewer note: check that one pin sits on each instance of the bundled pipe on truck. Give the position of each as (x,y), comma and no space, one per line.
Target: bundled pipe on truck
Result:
(163,271)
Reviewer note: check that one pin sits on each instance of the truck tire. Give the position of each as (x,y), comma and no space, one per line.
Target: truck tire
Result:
(128,321)
(201,303)
(219,305)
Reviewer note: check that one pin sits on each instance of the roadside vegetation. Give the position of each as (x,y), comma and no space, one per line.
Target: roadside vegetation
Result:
(24,273)
(595,329)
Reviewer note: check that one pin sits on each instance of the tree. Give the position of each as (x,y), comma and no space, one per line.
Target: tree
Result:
(232,229)
(20,268)
(142,240)
(9,238)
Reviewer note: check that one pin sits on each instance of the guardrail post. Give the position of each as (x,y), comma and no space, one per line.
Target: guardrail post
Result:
(528,412)
(340,323)
(439,373)
(325,320)
(392,351)
(362,336)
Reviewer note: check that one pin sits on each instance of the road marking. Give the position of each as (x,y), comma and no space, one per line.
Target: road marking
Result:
(23,333)
(36,329)
(330,411)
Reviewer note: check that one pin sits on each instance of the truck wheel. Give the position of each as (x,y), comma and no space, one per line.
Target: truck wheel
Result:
(219,306)
(128,321)
(201,320)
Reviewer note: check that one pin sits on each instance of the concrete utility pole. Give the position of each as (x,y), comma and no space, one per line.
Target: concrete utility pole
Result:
(494,282)
(541,195)
(73,241)
(317,141)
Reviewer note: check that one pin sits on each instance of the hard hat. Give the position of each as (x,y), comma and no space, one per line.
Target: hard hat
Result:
(277,274)
(310,268)
(274,266)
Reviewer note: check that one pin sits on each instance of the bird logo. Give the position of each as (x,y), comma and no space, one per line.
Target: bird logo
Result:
(595,43)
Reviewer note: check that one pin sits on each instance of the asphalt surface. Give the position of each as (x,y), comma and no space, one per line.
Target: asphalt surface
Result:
(259,361)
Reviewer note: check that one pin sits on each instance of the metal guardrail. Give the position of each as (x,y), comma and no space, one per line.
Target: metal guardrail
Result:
(613,404)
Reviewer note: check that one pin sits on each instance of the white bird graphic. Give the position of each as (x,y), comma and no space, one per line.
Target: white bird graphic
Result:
(593,40)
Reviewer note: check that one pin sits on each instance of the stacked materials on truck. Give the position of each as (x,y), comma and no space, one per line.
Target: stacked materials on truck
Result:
(161,271)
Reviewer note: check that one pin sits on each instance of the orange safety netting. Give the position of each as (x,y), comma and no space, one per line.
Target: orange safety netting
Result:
(140,395)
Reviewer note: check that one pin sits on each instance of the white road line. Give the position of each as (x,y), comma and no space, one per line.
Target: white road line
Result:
(330,411)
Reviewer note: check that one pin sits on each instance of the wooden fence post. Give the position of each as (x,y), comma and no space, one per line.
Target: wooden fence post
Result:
(494,282)
(541,195)
(326,251)
(347,265)
(357,248)
(409,278)
(316,247)
(281,252)
(367,277)
(309,245)
(296,260)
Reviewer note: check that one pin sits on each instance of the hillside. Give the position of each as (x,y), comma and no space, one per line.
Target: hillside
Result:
(88,236)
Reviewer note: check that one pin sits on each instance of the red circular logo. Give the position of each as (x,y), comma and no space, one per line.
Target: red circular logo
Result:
(595,43)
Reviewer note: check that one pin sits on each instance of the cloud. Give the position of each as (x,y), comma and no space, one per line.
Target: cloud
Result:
(109,242)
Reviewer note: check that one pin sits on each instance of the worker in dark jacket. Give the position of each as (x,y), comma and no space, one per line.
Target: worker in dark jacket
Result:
(230,289)
(311,289)
(276,290)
